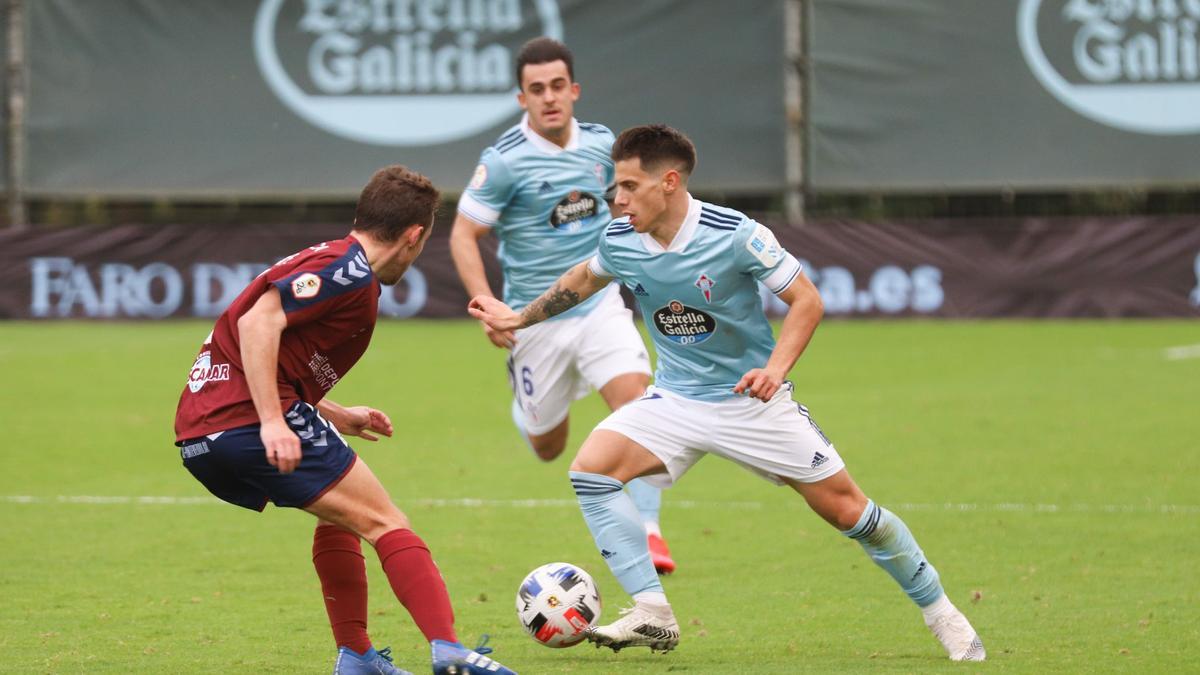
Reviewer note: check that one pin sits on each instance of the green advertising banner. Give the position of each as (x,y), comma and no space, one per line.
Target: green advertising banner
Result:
(995,94)
(309,97)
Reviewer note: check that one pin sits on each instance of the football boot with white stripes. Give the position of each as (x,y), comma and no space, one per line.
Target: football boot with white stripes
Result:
(451,658)
(643,625)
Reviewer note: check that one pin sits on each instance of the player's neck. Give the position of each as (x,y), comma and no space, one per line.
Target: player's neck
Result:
(560,137)
(671,221)
(376,251)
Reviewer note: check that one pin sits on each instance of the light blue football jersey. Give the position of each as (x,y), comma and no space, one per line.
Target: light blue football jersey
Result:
(544,203)
(699,297)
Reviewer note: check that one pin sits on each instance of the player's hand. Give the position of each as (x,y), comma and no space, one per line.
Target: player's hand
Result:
(493,313)
(282,445)
(360,421)
(759,383)
(504,339)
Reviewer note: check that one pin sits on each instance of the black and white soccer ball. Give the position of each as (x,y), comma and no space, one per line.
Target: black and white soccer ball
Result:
(556,603)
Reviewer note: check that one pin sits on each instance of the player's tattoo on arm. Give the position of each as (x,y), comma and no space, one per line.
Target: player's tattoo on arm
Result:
(553,302)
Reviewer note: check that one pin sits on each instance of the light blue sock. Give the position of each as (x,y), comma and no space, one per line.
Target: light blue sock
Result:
(647,498)
(890,544)
(617,529)
(518,418)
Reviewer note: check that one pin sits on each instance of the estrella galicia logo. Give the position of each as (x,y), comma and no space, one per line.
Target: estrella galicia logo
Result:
(684,325)
(572,209)
(1126,64)
(398,72)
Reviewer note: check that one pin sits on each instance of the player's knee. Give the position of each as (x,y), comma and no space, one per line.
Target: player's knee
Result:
(584,463)
(375,525)
(846,512)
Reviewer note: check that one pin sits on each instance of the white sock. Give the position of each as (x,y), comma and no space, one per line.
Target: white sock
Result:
(937,608)
(651,597)
(652,528)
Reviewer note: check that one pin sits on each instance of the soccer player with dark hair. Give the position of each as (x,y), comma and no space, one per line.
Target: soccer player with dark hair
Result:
(720,387)
(254,424)
(540,189)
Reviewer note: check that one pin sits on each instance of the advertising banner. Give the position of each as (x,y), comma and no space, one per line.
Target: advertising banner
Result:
(1137,267)
(994,94)
(307,98)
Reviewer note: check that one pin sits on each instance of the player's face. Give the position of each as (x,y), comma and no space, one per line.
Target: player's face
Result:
(640,195)
(548,95)
(401,257)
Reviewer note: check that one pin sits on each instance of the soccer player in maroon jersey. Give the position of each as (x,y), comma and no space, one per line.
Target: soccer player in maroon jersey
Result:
(254,424)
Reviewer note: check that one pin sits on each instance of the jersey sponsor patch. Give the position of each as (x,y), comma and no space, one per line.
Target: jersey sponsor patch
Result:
(573,208)
(478,178)
(763,245)
(205,371)
(684,325)
(306,286)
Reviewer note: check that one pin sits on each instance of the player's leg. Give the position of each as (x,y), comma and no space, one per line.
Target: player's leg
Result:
(780,441)
(338,560)
(653,436)
(647,498)
(889,542)
(359,503)
(613,359)
(544,384)
(605,463)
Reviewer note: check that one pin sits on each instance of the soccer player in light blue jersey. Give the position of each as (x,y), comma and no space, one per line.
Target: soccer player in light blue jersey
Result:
(719,387)
(541,190)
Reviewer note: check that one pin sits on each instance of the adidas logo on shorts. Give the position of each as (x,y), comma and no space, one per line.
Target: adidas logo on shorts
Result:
(818,460)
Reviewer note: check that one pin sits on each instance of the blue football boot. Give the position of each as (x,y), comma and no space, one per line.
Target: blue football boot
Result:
(451,658)
(371,663)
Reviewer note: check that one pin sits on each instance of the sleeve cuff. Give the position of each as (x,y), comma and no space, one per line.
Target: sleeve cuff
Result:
(597,268)
(477,210)
(783,275)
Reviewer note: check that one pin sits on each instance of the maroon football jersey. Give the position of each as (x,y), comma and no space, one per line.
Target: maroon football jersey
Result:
(331,299)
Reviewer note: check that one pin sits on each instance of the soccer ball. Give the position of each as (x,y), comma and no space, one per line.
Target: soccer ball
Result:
(556,603)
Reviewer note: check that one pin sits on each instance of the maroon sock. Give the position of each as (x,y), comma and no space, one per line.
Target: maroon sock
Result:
(337,555)
(417,583)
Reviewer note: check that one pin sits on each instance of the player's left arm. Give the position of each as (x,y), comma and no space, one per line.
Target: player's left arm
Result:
(358,420)
(805,310)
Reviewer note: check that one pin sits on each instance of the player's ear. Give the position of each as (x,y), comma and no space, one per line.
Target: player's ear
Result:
(670,181)
(413,235)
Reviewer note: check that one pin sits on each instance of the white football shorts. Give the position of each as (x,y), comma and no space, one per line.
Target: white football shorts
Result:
(777,439)
(557,362)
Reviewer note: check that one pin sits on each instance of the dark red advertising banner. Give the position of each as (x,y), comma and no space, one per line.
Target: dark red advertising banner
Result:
(1085,267)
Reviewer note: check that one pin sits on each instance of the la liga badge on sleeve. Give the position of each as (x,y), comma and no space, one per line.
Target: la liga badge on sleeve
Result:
(306,286)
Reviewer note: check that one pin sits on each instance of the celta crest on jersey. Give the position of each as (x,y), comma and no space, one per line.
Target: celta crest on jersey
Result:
(684,325)
(204,371)
(573,208)
(705,283)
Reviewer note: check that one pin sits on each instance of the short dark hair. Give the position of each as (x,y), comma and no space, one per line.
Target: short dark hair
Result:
(656,145)
(394,199)
(543,50)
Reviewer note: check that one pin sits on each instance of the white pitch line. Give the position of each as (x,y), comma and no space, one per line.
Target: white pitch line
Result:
(1182,352)
(961,507)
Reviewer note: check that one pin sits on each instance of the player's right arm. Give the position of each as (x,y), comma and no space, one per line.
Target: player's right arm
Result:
(575,285)
(479,211)
(259,333)
(464,250)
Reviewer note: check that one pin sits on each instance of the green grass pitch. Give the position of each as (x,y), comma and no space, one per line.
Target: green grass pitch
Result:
(1051,471)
